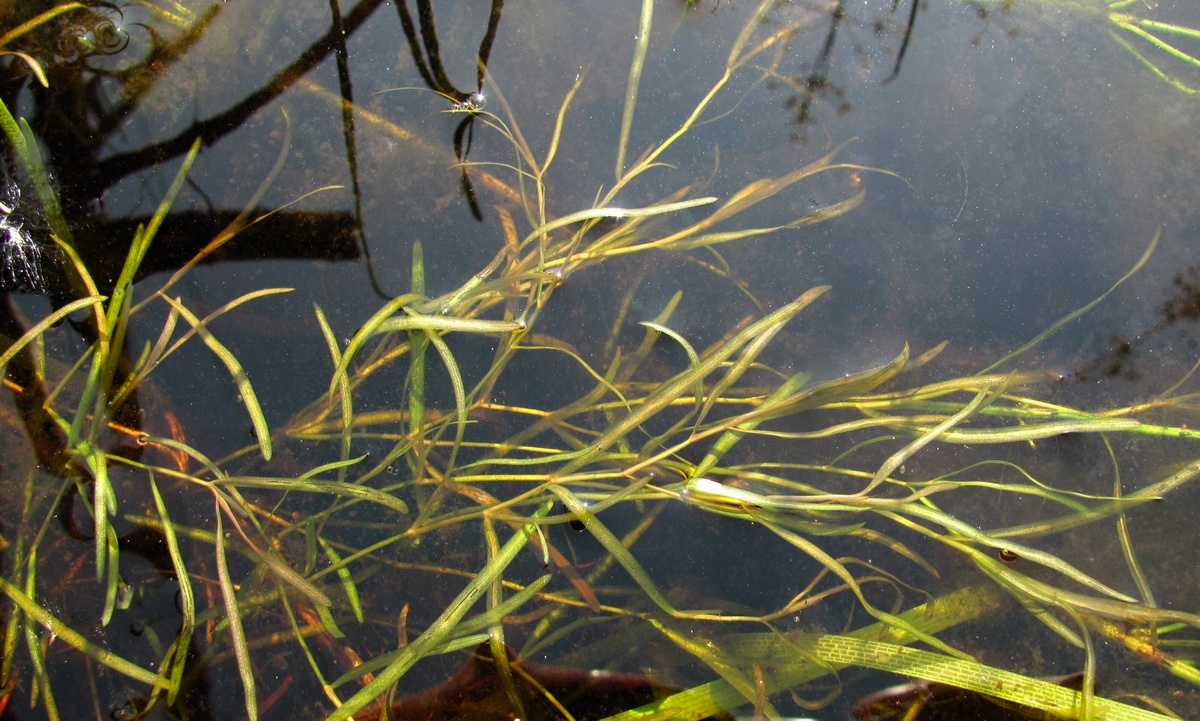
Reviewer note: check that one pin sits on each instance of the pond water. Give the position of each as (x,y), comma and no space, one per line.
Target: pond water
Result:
(980,171)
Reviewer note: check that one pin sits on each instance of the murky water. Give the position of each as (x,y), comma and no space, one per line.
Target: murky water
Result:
(1016,160)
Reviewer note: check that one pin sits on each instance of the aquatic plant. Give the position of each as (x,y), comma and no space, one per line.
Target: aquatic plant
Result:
(1158,45)
(288,554)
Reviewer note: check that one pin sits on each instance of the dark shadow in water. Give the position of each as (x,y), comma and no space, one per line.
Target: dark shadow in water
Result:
(477,692)
(929,701)
(75,119)
(427,57)
(1180,312)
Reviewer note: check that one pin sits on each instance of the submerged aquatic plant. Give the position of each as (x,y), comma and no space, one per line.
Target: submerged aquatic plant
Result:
(1162,47)
(1160,36)
(282,562)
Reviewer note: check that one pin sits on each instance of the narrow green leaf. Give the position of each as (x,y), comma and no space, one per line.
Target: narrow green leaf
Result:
(729,438)
(38,21)
(142,239)
(241,650)
(460,394)
(617,213)
(342,382)
(440,323)
(693,357)
(443,627)
(344,575)
(32,159)
(1049,560)
(363,334)
(257,419)
(34,645)
(333,466)
(73,638)
(667,392)
(839,570)
(1080,311)
(642,44)
(417,343)
(43,325)
(181,571)
(312,485)
(329,623)
(613,545)
(794,659)
(112,579)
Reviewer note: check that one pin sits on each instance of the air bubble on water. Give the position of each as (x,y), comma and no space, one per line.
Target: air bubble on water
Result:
(473,103)
(71,42)
(109,37)
(102,34)
(22,265)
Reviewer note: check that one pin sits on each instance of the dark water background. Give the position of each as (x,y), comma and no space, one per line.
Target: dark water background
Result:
(1034,159)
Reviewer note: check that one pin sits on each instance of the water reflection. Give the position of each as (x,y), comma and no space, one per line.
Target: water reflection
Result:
(976,242)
